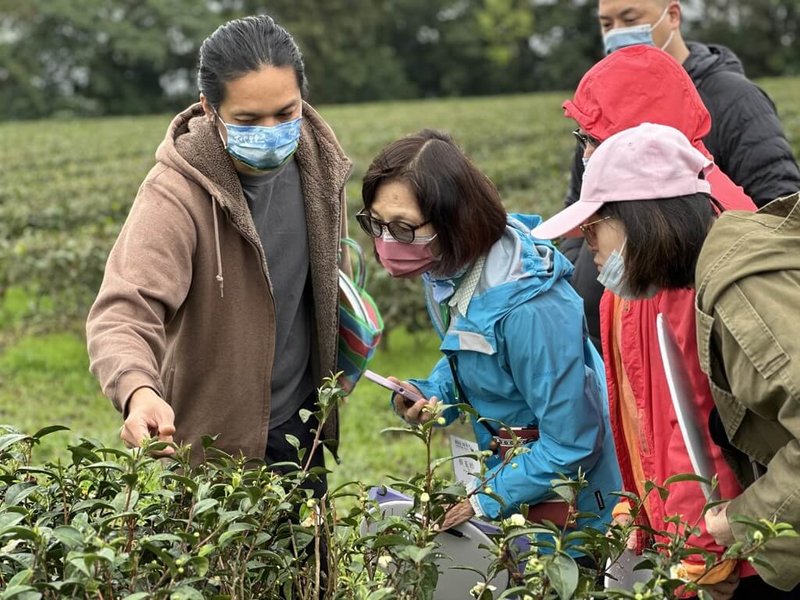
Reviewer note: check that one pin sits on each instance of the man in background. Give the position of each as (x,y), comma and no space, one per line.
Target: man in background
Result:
(746,138)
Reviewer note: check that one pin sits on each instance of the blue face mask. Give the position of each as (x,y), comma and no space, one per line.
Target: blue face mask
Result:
(263,148)
(622,37)
(612,277)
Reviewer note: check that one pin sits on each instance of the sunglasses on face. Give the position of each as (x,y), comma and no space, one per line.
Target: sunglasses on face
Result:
(399,230)
(584,139)
(588,230)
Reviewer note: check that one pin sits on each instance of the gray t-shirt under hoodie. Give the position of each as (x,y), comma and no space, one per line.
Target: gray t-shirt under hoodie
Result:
(276,204)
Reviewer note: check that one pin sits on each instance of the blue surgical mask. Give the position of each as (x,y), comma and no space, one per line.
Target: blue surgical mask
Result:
(263,148)
(585,161)
(612,277)
(622,37)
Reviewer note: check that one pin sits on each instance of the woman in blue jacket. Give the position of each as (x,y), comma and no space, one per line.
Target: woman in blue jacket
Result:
(512,330)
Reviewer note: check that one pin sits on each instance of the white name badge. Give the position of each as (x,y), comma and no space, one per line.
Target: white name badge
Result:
(465,467)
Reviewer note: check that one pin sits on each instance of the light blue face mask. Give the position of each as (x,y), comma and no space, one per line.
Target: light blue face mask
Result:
(612,277)
(263,148)
(622,37)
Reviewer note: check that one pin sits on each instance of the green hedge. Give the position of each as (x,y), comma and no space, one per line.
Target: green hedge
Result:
(66,186)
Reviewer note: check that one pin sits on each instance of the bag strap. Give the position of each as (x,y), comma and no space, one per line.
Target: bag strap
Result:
(452,360)
(360,273)
(461,396)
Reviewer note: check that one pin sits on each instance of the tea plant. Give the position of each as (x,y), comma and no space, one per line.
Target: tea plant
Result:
(110,523)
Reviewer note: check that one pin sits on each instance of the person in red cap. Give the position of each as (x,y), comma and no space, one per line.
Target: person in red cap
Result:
(631,86)
(655,89)
(646,206)
(634,85)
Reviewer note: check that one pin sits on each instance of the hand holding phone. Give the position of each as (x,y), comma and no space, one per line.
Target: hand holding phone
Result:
(409,397)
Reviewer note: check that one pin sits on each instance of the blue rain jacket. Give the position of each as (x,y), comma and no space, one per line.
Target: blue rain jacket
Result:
(524,359)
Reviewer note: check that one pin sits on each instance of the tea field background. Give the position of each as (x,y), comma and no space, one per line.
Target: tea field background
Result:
(66,186)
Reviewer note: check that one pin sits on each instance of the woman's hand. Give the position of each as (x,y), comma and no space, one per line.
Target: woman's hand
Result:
(413,414)
(460,513)
(718,526)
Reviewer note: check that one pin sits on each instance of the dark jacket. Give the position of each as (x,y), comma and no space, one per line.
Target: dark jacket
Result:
(748,339)
(746,140)
(163,319)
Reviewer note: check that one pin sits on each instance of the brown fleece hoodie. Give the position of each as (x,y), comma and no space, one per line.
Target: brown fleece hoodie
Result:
(186,303)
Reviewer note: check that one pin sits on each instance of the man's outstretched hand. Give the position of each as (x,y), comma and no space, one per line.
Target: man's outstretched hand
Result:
(148,416)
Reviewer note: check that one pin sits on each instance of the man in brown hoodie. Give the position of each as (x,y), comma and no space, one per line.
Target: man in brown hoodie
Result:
(218,310)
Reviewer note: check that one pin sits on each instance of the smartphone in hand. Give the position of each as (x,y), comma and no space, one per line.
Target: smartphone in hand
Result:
(409,398)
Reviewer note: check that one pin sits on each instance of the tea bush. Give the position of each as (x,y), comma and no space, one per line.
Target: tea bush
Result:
(67,185)
(110,523)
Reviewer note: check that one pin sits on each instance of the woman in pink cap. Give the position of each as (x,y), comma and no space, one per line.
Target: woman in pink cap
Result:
(633,86)
(646,208)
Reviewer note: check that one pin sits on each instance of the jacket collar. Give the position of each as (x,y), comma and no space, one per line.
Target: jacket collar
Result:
(516,269)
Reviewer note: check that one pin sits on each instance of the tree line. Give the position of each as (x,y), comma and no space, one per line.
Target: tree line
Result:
(110,57)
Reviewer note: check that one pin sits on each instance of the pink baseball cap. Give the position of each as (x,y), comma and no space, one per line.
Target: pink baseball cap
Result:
(646,162)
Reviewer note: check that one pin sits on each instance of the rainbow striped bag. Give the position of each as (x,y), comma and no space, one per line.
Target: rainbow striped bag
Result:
(360,323)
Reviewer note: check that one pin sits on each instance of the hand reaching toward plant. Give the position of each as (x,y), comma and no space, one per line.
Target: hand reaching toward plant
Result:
(623,520)
(458,514)
(718,526)
(148,416)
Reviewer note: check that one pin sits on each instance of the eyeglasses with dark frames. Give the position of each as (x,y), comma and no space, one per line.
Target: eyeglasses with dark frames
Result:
(584,139)
(399,230)
(588,229)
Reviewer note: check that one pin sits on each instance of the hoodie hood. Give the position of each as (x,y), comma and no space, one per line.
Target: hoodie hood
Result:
(517,268)
(193,147)
(705,60)
(634,85)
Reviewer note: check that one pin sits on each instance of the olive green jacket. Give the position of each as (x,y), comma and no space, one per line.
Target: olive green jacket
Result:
(748,337)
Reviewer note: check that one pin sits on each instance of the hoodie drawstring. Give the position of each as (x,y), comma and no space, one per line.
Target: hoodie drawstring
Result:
(219,277)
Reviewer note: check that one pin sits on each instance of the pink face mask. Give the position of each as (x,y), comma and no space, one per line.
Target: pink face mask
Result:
(406,260)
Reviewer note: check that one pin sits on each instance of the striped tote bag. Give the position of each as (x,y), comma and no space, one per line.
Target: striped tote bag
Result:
(360,322)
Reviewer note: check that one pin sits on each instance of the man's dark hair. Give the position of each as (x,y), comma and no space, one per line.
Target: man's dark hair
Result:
(460,202)
(242,46)
(664,239)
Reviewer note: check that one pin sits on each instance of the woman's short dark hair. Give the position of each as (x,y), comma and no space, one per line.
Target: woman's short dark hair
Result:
(461,203)
(244,45)
(664,238)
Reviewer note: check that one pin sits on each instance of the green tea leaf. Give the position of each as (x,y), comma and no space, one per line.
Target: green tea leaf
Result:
(69,536)
(563,575)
